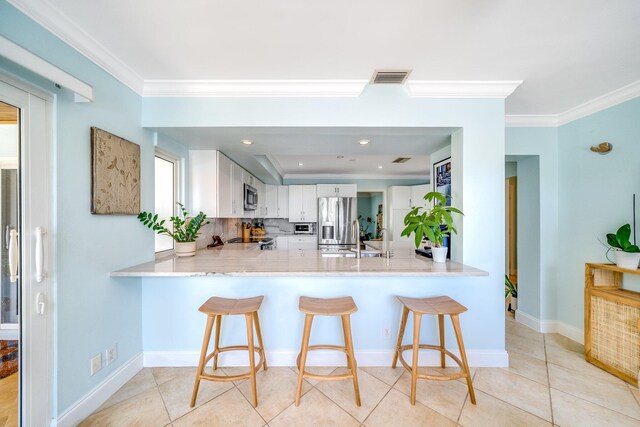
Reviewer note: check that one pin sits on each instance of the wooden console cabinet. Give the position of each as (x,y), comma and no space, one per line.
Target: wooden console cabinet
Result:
(611,322)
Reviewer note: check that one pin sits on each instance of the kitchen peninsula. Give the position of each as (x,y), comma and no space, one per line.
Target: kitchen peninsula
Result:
(173,289)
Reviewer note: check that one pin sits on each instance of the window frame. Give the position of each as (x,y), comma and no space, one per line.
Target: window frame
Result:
(175,160)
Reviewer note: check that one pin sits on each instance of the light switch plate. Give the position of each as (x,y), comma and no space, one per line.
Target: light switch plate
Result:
(96,363)
(111,354)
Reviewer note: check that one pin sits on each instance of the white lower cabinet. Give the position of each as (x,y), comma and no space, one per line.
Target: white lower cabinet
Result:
(295,243)
(282,243)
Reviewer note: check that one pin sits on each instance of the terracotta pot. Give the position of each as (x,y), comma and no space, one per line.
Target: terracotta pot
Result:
(185,249)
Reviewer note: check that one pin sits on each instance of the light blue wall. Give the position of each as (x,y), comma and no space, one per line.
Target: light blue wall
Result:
(92,311)
(595,194)
(510,169)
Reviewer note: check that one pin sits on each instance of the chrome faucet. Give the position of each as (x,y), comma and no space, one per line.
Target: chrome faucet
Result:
(385,247)
(356,236)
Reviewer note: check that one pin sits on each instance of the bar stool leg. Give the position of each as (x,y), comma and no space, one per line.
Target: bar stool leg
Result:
(403,325)
(308,320)
(203,355)
(252,361)
(259,334)
(463,355)
(417,318)
(217,342)
(346,323)
(442,355)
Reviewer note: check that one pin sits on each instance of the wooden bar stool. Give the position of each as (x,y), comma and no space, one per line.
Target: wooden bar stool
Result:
(441,306)
(215,308)
(327,307)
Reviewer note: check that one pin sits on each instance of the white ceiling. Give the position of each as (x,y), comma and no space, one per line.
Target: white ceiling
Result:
(278,151)
(567,52)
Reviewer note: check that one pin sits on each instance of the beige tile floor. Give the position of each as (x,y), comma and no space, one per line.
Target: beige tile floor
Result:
(547,383)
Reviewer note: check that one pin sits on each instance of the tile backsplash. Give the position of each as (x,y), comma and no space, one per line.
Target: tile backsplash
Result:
(228,228)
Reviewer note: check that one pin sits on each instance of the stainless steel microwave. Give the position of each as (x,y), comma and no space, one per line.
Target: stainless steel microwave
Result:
(250,198)
(303,228)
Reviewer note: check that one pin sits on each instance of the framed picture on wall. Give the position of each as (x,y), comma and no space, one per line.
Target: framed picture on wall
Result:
(442,178)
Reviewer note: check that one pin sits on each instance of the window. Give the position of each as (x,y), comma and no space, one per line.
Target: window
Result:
(166,195)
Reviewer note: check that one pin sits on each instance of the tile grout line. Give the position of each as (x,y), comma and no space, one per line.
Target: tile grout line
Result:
(336,403)
(247,399)
(383,397)
(161,396)
(198,407)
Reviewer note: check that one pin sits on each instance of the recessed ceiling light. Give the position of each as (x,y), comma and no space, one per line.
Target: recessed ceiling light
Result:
(340,157)
(380,167)
(300,164)
(364,142)
(247,142)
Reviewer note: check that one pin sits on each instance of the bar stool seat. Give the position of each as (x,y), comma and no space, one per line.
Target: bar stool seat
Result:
(440,306)
(342,307)
(215,308)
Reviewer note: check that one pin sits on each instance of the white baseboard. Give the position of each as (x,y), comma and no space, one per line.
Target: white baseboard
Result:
(550,326)
(100,393)
(476,358)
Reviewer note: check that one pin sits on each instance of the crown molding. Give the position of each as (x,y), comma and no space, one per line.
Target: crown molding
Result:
(253,88)
(45,14)
(461,89)
(352,176)
(600,103)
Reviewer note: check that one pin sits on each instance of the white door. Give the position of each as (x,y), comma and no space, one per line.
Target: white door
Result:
(283,201)
(400,197)
(27,240)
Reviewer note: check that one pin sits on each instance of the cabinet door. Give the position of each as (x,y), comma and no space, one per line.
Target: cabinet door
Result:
(346,190)
(295,203)
(271,201)
(225,187)
(417,195)
(262,203)
(309,203)
(283,201)
(400,197)
(397,225)
(204,182)
(327,190)
(282,243)
(237,191)
(302,243)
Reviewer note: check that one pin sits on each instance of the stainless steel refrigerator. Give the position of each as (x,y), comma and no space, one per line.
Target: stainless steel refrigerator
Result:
(335,222)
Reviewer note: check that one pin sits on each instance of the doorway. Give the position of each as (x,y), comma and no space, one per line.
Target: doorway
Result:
(371,214)
(511,236)
(26,345)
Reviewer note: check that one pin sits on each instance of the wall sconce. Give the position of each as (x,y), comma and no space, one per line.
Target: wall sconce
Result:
(602,148)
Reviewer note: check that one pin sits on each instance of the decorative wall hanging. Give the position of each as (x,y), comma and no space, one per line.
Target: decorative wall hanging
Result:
(115,174)
(442,178)
(602,148)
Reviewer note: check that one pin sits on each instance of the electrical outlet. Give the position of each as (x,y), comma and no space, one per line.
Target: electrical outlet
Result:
(96,363)
(386,332)
(111,354)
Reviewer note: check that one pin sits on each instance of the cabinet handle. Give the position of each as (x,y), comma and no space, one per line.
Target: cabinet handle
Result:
(14,256)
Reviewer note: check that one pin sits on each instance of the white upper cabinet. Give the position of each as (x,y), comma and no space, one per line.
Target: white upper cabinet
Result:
(337,190)
(399,197)
(237,191)
(271,201)
(283,201)
(303,203)
(204,181)
(225,192)
(261,212)
(417,195)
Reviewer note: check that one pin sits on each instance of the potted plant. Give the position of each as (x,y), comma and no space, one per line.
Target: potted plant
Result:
(511,288)
(625,254)
(185,229)
(435,224)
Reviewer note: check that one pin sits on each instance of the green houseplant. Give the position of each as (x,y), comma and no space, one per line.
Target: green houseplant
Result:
(626,255)
(184,231)
(511,288)
(435,224)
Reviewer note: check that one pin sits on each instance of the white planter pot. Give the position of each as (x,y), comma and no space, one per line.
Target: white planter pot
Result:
(185,249)
(439,254)
(514,303)
(627,260)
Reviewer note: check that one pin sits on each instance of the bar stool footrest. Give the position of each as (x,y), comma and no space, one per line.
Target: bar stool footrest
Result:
(443,377)
(214,353)
(306,374)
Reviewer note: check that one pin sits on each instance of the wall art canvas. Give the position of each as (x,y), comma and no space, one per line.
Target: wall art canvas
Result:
(115,174)
(442,178)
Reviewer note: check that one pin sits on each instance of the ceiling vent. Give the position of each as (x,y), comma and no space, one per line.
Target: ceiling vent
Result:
(395,77)
(401,160)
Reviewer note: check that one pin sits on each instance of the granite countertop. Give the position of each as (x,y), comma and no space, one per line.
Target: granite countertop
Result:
(229,261)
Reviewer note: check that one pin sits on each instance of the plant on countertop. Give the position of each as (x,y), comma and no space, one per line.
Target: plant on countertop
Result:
(620,241)
(185,229)
(427,223)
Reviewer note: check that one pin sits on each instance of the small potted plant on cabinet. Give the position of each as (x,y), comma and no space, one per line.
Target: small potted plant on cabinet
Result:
(185,229)
(625,254)
(435,224)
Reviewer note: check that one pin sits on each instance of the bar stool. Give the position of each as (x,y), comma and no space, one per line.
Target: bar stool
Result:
(327,307)
(441,306)
(215,308)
